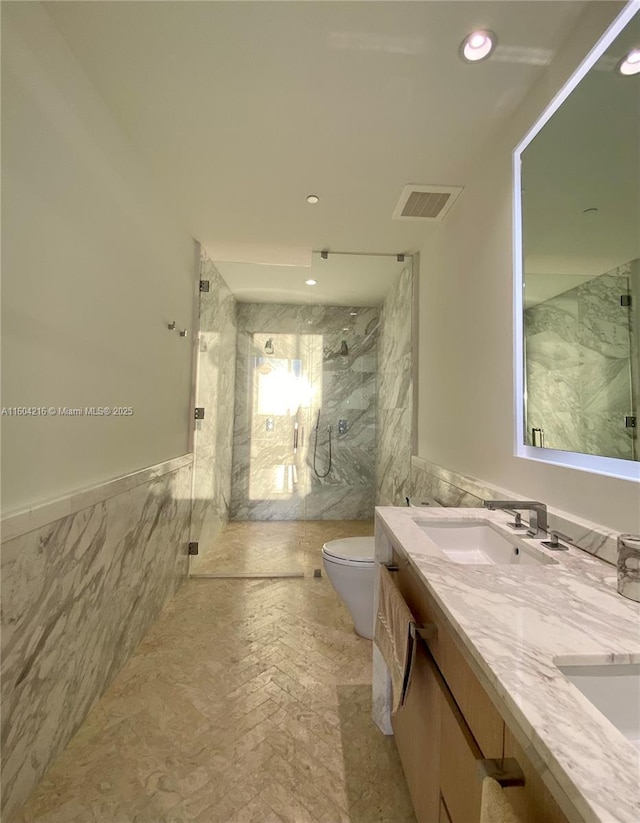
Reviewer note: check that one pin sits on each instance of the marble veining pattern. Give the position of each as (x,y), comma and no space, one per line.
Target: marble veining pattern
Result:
(395,394)
(579,372)
(455,490)
(78,595)
(515,623)
(213,442)
(629,566)
(278,397)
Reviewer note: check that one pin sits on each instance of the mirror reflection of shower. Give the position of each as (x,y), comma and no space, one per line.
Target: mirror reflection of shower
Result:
(315,447)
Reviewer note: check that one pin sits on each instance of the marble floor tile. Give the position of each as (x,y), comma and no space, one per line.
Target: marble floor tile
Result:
(267,547)
(249,701)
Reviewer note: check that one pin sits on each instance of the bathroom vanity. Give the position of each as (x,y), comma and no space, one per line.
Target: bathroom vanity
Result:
(512,629)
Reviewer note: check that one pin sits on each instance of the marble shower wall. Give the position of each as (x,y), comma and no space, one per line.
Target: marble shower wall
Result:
(78,594)
(579,371)
(213,442)
(277,400)
(395,394)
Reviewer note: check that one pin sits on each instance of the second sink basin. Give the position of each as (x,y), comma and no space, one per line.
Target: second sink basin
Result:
(479,544)
(614,689)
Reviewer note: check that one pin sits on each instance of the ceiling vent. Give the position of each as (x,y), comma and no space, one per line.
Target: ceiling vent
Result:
(430,203)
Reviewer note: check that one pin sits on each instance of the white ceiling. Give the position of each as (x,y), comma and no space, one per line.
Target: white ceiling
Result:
(241,109)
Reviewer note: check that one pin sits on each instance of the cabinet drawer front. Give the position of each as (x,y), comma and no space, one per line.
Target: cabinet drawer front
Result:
(481,715)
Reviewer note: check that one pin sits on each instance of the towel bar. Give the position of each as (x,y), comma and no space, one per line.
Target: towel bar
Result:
(505,771)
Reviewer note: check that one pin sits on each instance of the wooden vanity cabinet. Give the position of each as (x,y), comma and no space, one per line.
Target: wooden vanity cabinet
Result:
(416,727)
(448,723)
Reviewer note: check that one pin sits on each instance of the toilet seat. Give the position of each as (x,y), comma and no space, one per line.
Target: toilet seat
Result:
(350,551)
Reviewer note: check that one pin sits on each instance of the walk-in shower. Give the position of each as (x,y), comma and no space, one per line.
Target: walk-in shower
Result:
(315,391)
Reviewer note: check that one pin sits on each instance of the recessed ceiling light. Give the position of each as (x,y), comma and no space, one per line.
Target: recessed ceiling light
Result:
(311,282)
(313,199)
(630,63)
(353,313)
(478,46)
(346,328)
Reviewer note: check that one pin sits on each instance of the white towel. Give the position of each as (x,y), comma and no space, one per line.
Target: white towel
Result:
(391,632)
(495,806)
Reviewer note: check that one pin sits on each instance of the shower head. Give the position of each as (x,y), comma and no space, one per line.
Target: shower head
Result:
(268,347)
(344,349)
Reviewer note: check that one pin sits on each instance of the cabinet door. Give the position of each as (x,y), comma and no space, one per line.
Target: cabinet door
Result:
(533,801)
(416,727)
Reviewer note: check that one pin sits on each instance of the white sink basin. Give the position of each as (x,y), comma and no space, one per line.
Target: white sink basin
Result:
(479,544)
(614,689)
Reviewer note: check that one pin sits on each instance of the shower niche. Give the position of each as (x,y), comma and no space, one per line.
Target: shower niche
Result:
(305,412)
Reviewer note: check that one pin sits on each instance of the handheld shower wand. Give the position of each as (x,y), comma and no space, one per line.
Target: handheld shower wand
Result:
(315,449)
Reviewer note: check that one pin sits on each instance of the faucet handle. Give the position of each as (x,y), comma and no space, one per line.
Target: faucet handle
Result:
(552,542)
(517,522)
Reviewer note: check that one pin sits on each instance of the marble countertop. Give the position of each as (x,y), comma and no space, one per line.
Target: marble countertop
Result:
(515,624)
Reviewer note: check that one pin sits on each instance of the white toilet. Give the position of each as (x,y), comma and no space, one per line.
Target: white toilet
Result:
(350,567)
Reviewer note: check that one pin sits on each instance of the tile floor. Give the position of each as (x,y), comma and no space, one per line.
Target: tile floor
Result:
(248,702)
(275,546)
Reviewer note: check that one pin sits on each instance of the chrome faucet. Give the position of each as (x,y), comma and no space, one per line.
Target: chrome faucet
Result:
(537,518)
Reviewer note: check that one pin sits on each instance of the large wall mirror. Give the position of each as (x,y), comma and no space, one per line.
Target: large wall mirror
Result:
(579,266)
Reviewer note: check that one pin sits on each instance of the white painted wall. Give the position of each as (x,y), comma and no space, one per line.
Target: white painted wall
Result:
(465,384)
(92,270)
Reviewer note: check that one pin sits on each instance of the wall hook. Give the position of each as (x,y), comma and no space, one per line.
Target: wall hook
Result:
(171,326)
(183,333)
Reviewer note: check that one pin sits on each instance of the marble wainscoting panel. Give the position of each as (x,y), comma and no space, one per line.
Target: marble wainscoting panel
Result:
(281,394)
(455,490)
(579,368)
(427,480)
(78,594)
(395,394)
(213,444)
(25,520)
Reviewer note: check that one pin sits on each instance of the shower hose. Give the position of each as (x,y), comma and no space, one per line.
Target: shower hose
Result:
(315,449)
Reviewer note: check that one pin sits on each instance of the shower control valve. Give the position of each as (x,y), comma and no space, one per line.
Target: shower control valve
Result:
(342,426)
